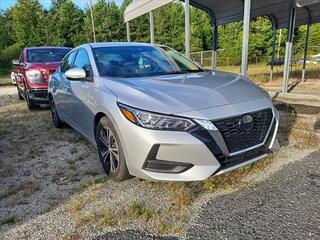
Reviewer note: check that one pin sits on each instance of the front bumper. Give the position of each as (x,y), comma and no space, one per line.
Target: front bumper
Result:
(200,152)
(38,95)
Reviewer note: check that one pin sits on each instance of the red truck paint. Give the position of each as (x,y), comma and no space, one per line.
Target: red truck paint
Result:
(36,93)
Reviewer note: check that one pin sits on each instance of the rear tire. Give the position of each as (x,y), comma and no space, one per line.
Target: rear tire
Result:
(110,151)
(57,123)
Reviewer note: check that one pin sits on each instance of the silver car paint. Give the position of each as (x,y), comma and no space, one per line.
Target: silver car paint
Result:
(208,95)
(186,92)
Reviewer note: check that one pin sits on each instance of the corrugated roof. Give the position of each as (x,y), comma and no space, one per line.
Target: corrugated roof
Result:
(226,11)
(232,10)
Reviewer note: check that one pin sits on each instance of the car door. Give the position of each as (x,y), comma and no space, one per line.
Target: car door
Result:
(63,88)
(77,101)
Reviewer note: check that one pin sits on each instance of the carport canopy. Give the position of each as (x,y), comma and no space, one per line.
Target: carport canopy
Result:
(232,11)
(283,14)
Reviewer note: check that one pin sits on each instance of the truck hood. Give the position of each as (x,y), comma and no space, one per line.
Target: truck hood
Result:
(172,94)
(52,66)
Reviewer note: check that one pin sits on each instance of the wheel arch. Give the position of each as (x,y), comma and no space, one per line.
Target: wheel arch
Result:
(96,121)
(103,112)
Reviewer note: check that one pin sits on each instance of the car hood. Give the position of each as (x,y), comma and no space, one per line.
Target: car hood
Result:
(172,94)
(48,66)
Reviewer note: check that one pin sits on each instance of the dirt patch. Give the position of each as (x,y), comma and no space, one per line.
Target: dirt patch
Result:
(5,81)
(40,167)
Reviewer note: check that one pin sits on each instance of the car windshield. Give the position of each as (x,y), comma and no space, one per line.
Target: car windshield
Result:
(46,55)
(140,61)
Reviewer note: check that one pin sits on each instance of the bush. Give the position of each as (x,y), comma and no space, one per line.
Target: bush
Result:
(6,56)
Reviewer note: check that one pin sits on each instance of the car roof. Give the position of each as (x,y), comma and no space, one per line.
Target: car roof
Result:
(119,44)
(47,47)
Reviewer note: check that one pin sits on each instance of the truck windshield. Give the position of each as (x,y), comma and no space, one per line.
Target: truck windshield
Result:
(140,61)
(46,55)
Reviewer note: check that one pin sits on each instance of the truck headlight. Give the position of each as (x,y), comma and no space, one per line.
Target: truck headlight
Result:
(34,76)
(155,121)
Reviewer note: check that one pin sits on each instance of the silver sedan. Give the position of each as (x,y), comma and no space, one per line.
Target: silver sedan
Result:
(155,114)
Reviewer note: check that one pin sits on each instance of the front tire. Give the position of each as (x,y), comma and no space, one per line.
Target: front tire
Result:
(30,103)
(110,151)
(19,93)
(57,123)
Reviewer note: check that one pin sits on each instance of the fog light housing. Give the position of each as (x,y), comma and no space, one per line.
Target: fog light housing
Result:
(162,166)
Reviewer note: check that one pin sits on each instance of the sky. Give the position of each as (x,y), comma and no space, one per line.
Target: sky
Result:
(4,4)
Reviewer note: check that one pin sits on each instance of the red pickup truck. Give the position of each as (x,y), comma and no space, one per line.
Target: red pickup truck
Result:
(32,72)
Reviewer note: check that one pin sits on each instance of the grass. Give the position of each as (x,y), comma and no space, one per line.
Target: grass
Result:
(5,81)
(22,191)
(3,132)
(93,182)
(260,72)
(106,218)
(85,219)
(13,219)
(73,150)
(81,157)
(170,219)
(76,204)
(6,170)
(140,209)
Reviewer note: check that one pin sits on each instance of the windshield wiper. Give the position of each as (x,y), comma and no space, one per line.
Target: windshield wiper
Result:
(183,72)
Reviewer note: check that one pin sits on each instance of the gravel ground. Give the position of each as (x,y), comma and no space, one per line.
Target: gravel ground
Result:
(286,206)
(53,187)
(12,90)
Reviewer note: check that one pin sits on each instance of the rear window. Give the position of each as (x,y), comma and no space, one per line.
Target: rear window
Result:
(46,55)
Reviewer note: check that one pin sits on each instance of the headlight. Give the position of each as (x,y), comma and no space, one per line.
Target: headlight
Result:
(155,121)
(34,76)
(206,124)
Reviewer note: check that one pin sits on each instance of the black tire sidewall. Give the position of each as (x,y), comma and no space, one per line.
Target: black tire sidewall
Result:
(30,103)
(19,93)
(57,123)
(122,172)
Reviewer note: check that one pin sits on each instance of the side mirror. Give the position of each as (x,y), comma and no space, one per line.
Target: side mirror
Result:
(76,74)
(15,62)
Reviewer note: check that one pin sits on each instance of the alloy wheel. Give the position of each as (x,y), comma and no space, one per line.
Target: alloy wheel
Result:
(109,149)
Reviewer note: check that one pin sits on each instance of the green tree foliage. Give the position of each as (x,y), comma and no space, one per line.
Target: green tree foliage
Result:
(108,22)
(169,26)
(64,24)
(5,30)
(27,23)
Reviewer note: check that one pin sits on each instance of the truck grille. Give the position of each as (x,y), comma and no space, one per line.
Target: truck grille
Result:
(238,138)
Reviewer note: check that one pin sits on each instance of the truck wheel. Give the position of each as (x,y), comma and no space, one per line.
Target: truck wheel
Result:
(19,93)
(30,103)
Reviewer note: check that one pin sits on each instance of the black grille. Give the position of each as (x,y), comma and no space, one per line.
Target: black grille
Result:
(41,94)
(238,138)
